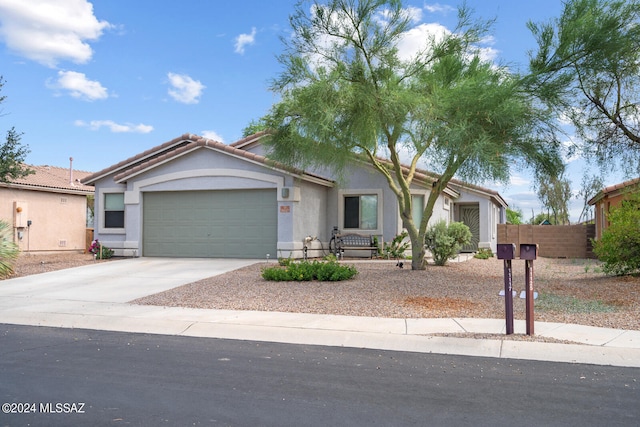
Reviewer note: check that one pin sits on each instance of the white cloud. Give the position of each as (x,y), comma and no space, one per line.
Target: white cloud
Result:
(414,14)
(49,32)
(518,180)
(185,89)
(211,134)
(486,52)
(79,86)
(439,8)
(417,39)
(115,127)
(245,39)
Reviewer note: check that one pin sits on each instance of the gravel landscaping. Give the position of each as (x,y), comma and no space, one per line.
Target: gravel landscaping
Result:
(570,291)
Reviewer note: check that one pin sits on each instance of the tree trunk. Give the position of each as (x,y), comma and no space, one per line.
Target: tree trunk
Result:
(418,261)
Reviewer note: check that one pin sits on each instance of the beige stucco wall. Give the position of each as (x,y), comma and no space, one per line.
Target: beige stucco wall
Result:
(58,220)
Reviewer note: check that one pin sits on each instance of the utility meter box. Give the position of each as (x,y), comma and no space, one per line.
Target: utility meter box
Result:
(506,251)
(528,251)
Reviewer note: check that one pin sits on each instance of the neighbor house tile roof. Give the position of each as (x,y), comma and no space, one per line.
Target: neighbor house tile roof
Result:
(613,190)
(52,178)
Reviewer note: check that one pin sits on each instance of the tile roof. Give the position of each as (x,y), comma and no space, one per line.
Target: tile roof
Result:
(52,178)
(428,177)
(186,143)
(616,188)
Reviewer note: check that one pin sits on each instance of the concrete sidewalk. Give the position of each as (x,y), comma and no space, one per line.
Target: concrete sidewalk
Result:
(95,297)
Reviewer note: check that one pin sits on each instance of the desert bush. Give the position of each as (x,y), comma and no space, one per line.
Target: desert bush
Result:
(8,249)
(396,247)
(619,246)
(307,271)
(445,241)
(484,253)
(100,251)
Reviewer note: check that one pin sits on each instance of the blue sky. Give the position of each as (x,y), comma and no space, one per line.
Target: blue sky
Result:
(103,80)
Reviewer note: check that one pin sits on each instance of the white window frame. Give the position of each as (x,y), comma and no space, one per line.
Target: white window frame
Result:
(354,193)
(101,198)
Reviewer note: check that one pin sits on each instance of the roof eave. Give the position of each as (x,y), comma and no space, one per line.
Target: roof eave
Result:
(47,189)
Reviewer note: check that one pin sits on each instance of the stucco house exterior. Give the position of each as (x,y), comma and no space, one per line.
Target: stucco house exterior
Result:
(195,197)
(47,209)
(608,198)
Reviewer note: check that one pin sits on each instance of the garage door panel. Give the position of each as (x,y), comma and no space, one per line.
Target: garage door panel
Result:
(231,224)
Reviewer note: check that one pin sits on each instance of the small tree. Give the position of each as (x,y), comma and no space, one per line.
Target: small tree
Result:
(12,153)
(444,242)
(8,249)
(619,246)
(514,216)
(590,186)
(348,95)
(554,193)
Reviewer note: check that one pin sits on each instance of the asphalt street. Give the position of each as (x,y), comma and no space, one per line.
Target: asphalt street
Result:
(56,377)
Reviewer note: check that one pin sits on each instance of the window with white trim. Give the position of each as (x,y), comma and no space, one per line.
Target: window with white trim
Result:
(361,212)
(114,210)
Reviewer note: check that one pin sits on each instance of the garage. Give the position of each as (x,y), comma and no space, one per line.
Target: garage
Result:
(210,224)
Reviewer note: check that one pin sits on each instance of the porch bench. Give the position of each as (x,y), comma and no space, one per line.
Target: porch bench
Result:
(355,242)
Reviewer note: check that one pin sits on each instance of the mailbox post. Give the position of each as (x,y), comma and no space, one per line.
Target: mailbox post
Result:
(507,252)
(529,253)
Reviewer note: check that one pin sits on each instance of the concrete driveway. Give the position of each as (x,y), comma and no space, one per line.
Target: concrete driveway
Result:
(116,281)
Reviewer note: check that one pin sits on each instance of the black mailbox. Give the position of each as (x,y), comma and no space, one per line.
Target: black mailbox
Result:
(528,251)
(506,251)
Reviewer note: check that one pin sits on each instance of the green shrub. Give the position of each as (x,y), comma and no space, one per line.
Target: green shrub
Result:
(334,272)
(444,242)
(8,249)
(284,261)
(99,250)
(484,253)
(307,271)
(619,245)
(397,247)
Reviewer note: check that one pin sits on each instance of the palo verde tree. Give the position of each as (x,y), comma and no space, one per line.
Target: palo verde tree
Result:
(555,192)
(589,187)
(587,67)
(12,153)
(349,92)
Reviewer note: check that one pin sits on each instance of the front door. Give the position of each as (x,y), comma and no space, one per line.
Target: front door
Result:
(470,216)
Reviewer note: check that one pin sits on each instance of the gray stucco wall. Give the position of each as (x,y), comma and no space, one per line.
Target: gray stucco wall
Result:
(304,209)
(203,169)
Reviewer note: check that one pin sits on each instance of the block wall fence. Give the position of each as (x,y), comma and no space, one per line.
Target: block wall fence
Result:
(554,241)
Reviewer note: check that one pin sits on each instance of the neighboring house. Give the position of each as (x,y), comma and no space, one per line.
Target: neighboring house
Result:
(608,198)
(194,197)
(47,209)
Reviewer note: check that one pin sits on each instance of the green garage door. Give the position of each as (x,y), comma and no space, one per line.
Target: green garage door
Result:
(210,224)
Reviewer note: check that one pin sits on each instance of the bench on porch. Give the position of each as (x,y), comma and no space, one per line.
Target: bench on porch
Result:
(354,242)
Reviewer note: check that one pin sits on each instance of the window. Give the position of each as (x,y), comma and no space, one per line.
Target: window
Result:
(361,212)
(114,210)
(417,208)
